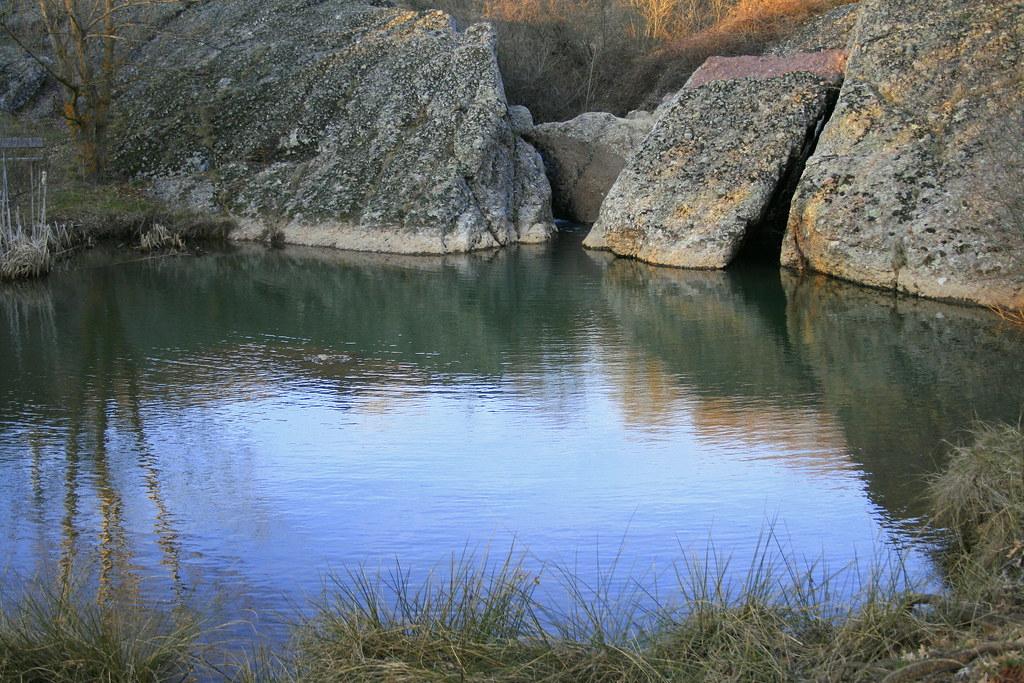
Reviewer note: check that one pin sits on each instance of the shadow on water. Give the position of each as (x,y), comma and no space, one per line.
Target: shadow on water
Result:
(99,363)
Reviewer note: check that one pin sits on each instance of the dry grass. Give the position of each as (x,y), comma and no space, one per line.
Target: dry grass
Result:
(159,238)
(980,497)
(48,636)
(561,58)
(750,27)
(28,252)
(1009,315)
(478,620)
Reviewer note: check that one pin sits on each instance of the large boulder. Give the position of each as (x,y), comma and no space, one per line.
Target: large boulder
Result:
(335,123)
(917,180)
(584,156)
(718,161)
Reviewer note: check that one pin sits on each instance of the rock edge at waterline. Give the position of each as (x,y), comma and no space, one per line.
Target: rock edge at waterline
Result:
(334,124)
(709,172)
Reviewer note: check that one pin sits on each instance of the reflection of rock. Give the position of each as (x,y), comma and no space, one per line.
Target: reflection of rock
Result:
(375,302)
(584,156)
(721,333)
(835,373)
(916,180)
(902,375)
(817,373)
(711,172)
(809,439)
(334,123)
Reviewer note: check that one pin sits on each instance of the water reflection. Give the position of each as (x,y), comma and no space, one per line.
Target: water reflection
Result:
(240,423)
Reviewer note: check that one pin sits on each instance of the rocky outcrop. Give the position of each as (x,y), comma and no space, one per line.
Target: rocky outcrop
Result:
(520,118)
(722,156)
(825,63)
(584,156)
(916,181)
(333,123)
(21,79)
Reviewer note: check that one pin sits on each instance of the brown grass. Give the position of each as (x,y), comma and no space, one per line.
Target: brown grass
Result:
(750,27)
(561,58)
(1014,317)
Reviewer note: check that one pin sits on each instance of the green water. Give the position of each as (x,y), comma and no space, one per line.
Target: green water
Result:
(242,423)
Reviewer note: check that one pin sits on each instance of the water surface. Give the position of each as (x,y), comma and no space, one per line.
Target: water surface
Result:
(243,423)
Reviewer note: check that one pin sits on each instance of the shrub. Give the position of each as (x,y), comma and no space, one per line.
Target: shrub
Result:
(561,58)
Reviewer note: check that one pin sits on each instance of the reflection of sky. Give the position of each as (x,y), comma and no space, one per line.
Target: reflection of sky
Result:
(274,485)
(271,458)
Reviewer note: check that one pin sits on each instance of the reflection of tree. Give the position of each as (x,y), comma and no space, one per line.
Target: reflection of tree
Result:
(167,536)
(823,377)
(69,532)
(113,543)
(95,379)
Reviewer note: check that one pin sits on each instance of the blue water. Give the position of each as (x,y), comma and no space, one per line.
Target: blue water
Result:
(226,430)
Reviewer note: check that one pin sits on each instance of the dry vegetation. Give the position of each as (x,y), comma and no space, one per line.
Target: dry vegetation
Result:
(81,212)
(482,621)
(564,57)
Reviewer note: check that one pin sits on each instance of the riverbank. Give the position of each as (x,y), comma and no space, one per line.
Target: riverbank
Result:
(81,214)
(490,621)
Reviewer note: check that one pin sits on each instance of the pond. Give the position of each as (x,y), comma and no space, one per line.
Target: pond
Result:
(229,429)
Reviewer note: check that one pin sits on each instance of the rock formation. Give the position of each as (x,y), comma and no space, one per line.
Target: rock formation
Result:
(333,123)
(722,155)
(830,31)
(21,79)
(584,156)
(916,181)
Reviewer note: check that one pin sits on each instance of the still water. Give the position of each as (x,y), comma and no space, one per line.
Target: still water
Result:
(229,429)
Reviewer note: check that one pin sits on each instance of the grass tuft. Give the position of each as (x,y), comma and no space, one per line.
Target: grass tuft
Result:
(979,497)
(476,620)
(49,636)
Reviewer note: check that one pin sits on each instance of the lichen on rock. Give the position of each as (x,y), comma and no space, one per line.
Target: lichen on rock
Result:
(916,181)
(712,166)
(336,123)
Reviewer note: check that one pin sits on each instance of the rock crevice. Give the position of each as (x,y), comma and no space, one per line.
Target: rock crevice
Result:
(764,238)
(718,165)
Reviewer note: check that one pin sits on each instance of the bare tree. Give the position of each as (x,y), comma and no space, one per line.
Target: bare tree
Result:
(659,17)
(84,38)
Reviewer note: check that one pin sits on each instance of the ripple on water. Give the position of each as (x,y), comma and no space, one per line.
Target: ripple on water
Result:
(242,424)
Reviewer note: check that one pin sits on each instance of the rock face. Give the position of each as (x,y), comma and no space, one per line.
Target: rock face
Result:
(825,63)
(714,165)
(21,79)
(916,181)
(335,123)
(584,156)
